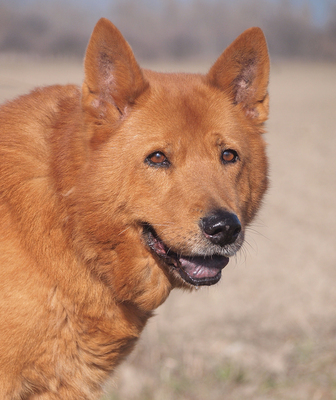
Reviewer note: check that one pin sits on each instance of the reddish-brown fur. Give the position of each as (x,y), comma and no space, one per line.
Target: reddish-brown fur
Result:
(77,279)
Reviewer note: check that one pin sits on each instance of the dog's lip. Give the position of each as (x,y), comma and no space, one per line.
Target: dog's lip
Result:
(196,270)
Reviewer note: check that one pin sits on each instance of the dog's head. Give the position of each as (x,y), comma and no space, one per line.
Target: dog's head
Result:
(175,164)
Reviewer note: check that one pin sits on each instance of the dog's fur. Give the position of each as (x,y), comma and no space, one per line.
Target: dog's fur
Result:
(113,195)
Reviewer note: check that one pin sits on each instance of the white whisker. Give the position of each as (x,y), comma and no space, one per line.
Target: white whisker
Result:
(120,233)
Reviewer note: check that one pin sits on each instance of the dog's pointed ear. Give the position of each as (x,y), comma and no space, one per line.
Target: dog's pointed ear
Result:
(242,71)
(112,74)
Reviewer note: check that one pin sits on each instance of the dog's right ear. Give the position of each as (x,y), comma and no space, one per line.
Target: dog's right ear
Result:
(112,75)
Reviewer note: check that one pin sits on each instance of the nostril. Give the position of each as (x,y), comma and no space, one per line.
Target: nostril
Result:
(214,230)
(236,231)
(221,227)
(211,228)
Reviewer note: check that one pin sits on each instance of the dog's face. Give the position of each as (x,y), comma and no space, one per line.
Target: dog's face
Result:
(177,162)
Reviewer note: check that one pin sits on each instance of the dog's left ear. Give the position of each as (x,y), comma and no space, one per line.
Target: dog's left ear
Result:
(242,71)
(112,75)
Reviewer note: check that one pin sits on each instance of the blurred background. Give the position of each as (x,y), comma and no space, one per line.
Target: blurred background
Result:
(267,331)
(170,29)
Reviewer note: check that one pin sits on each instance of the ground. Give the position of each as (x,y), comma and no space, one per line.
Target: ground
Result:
(268,329)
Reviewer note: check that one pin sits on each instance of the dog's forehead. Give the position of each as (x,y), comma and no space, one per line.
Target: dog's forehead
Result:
(179,87)
(187,102)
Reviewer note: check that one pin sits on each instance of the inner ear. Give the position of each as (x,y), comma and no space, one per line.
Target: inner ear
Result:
(242,72)
(112,74)
(242,88)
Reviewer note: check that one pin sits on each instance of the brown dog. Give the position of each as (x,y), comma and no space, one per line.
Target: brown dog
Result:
(113,195)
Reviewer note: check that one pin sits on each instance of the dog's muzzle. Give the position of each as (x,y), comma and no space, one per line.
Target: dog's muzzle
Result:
(221,229)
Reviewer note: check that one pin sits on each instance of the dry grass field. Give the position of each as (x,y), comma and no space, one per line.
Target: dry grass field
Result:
(268,329)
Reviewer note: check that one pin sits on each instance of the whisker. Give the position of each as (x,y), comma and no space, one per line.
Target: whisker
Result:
(164,224)
(241,253)
(120,233)
(255,232)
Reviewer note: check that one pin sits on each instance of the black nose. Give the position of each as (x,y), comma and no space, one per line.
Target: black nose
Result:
(221,227)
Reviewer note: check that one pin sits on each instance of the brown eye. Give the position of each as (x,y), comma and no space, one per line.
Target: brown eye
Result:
(157,159)
(229,156)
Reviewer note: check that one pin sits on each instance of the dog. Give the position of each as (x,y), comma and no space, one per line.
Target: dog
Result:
(114,194)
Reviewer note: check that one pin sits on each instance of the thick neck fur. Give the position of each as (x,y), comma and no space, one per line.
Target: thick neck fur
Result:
(91,323)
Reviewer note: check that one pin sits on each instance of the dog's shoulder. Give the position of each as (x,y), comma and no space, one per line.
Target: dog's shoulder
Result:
(29,112)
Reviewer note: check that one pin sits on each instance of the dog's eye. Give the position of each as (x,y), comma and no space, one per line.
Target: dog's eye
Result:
(229,156)
(158,159)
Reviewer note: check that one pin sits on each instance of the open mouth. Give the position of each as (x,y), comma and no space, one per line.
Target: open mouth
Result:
(196,270)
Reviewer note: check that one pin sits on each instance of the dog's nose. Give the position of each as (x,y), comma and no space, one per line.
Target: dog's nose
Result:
(221,227)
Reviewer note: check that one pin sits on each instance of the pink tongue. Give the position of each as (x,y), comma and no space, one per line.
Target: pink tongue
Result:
(200,267)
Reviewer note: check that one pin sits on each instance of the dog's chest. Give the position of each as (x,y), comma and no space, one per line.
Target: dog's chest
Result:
(79,352)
